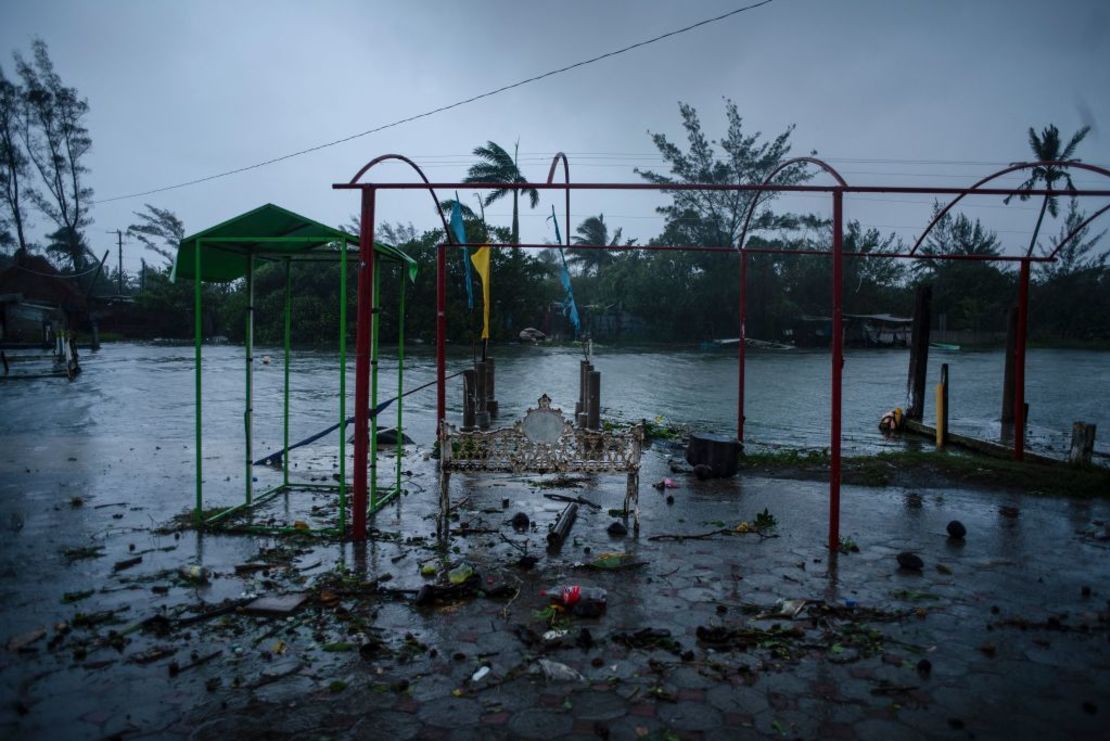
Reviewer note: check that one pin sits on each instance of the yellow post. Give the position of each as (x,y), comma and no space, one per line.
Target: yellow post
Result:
(942,407)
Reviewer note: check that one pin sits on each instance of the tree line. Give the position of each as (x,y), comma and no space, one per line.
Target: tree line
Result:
(653,294)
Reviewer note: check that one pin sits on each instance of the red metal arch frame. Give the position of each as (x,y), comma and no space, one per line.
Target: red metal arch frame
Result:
(1023,276)
(836,191)
(362,333)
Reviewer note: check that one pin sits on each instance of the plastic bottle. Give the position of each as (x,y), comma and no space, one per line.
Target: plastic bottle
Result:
(579,600)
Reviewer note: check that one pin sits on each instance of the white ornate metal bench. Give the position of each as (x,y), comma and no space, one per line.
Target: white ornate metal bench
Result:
(544,441)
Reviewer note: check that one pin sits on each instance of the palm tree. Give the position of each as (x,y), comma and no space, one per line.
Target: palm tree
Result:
(595,231)
(496,166)
(1046,148)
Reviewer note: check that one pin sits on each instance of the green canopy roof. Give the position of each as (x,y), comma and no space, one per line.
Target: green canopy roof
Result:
(269,233)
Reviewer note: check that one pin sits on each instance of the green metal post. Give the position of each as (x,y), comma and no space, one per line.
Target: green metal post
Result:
(343,388)
(247,415)
(376,308)
(400,447)
(197,333)
(288,317)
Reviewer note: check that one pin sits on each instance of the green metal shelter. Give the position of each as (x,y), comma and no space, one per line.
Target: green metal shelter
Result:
(231,251)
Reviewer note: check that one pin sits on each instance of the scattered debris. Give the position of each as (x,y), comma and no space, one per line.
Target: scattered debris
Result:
(81,552)
(612,561)
(617,529)
(666,483)
(910,561)
(520,521)
(276,606)
(956,530)
(22,641)
(194,574)
(127,563)
(703,472)
(553,671)
(582,601)
(576,500)
(559,531)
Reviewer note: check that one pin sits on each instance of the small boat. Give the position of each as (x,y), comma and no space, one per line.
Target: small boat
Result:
(944,346)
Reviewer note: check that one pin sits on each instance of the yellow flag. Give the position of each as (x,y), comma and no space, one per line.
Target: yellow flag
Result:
(480,258)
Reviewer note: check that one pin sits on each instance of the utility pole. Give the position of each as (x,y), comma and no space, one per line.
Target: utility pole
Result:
(119,239)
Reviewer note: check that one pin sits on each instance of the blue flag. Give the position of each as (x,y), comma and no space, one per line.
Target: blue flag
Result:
(570,309)
(460,237)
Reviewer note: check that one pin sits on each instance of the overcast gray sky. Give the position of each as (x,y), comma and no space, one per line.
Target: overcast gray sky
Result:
(891,92)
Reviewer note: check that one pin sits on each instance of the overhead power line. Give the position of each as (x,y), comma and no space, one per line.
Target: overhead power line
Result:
(442,108)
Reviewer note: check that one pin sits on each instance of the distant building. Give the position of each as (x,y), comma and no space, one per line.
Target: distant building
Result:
(37,303)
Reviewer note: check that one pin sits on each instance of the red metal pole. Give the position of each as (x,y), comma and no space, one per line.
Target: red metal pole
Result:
(441,337)
(741,348)
(837,368)
(1019,363)
(364,318)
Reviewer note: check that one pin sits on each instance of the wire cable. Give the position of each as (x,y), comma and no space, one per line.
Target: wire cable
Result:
(440,109)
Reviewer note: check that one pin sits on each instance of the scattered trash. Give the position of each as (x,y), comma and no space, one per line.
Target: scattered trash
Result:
(70,597)
(559,531)
(924,668)
(956,530)
(647,638)
(910,561)
(389,437)
(846,545)
(194,574)
(127,563)
(554,637)
(520,521)
(527,562)
(553,671)
(81,552)
(787,608)
(460,574)
(429,568)
(22,641)
(703,472)
(276,606)
(613,561)
(617,529)
(480,674)
(581,601)
(576,500)
(152,654)
(666,483)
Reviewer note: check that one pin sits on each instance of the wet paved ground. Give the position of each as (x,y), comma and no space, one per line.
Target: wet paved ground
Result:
(1002,635)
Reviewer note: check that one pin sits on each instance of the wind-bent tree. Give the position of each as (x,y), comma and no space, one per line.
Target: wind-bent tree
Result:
(595,231)
(973,294)
(716,217)
(159,230)
(1046,148)
(496,166)
(57,141)
(15,191)
(1078,254)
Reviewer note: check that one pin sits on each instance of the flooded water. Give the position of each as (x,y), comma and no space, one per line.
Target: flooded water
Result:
(102,462)
(131,392)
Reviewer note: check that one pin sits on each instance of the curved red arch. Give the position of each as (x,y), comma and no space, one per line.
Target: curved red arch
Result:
(1075,232)
(1006,171)
(782,166)
(413,165)
(566,175)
